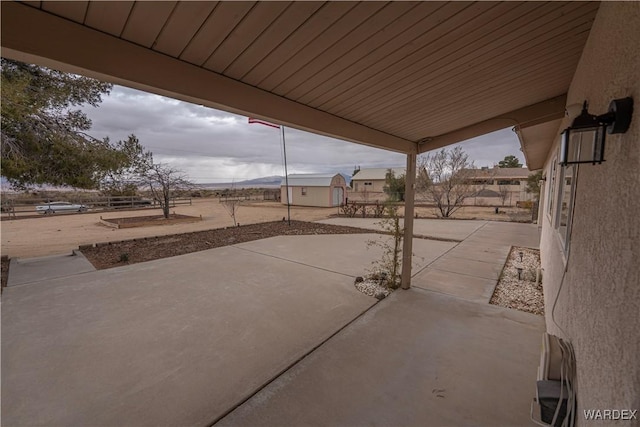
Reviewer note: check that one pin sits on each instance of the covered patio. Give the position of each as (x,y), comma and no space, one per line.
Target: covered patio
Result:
(408,77)
(403,76)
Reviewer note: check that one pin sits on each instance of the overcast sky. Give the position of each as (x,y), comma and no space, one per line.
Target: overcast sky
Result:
(216,146)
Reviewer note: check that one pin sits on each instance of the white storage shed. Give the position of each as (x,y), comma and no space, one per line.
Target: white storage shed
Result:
(322,190)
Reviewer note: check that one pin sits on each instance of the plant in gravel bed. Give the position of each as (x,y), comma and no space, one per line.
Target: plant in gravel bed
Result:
(386,270)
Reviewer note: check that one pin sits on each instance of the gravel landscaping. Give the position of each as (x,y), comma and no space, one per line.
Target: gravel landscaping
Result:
(113,254)
(518,289)
(372,287)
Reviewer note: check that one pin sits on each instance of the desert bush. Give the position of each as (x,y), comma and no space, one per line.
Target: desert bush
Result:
(378,210)
(349,210)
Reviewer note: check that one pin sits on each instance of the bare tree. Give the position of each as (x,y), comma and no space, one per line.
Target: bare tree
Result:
(504,192)
(164,182)
(231,205)
(445,179)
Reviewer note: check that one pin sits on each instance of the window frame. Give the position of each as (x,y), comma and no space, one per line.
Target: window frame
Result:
(553,170)
(565,235)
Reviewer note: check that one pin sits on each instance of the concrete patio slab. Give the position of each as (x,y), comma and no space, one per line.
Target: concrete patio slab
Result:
(472,288)
(439,228)
(494,254)
(185,340)
(470,267)
(177,341)
(514,234)
(29,270)
(416,359)
(347,254)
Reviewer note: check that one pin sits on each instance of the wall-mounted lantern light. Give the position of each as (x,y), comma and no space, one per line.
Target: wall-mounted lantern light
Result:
(583,141)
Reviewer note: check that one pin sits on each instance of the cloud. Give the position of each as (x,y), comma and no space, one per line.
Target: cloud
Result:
(215,146)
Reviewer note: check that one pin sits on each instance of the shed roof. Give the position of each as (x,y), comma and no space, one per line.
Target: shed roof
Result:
(310,180)
(377,173)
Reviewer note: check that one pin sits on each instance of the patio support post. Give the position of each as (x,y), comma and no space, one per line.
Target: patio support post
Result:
(409,200)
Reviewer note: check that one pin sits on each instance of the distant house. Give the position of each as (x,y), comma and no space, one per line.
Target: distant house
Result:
(498,186)
(368,184)
(322,190)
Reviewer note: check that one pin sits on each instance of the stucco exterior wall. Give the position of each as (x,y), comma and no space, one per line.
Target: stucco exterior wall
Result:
(377,185)
(598,307)
(515,194)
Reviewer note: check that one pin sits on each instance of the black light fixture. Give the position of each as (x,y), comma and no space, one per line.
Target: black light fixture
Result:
(583,141)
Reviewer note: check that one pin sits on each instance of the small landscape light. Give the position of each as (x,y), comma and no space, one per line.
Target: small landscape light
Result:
(519,273)
(521,254)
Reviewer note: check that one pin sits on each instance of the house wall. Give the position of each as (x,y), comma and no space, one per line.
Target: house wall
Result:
(369,193)
(598,307)
(377,185)
(516,193)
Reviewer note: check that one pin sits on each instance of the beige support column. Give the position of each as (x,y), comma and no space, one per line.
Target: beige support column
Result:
(409,200)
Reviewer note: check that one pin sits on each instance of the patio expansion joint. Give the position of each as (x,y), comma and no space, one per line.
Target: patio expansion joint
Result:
(463,274)
(47,279)
(21,262)
(447,252)
(475,260)
(292,261)
(292,364)
(428,290)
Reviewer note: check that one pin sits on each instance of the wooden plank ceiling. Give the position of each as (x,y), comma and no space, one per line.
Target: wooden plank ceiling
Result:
(413,70)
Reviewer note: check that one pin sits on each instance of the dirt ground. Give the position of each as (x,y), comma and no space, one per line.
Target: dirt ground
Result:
(61,233)
(140,250)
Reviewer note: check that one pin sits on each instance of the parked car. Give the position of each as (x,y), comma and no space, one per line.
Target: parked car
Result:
(53,207)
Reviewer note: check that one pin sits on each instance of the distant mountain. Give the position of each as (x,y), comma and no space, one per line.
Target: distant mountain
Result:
(273,181)
(263,182)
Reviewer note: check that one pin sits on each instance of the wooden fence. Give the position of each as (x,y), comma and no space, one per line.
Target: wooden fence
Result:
(21,206)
